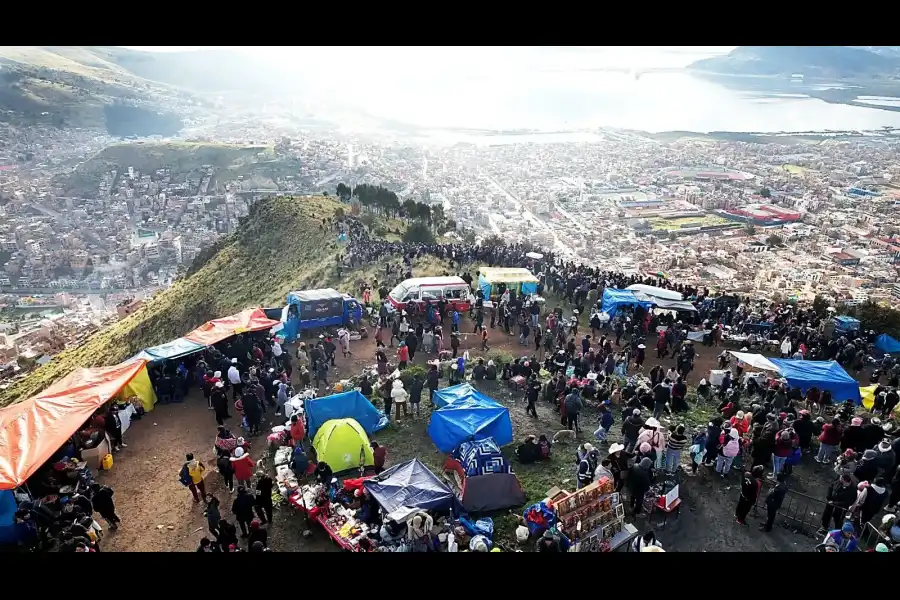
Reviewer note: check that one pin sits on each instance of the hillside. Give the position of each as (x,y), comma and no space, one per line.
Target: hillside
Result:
(146,157)
(281,247)
(812,61)
(74,86)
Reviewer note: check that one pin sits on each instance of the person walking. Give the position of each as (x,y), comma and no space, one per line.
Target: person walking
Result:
(840,496)
(102,500)
(243,467)
(192,474)
(242,508)
(263,507)
(223,464)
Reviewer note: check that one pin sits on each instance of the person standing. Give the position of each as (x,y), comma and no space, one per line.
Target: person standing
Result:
(264,485)
(750,487)
(432,381)
(219,401)
(113,424)
(213,515)
(104,505)
(532,394)
(840,496)
(234,378)
(193,473)
(379,453)
(774,500)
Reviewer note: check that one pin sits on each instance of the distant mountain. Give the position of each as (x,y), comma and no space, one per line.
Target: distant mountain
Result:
(811,61)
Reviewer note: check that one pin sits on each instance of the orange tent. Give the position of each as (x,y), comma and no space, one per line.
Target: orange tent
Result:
(212,332)
(33,430)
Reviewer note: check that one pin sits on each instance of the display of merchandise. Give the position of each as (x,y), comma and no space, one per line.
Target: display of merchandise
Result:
(591,516)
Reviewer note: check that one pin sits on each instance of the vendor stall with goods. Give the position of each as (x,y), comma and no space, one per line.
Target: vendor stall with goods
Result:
(593,517)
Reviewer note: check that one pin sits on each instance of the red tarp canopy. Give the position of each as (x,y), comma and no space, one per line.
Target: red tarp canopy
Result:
(212,332)
(33,430)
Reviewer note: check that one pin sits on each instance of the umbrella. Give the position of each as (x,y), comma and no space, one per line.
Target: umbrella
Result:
(535,255)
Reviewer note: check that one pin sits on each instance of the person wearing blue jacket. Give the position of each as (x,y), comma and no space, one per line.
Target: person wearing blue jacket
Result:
(606,422)
(844,538)
(454,322)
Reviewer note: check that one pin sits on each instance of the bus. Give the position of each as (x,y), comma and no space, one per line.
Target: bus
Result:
(453,290)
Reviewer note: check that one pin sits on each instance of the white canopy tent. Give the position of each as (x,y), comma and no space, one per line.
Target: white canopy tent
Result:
(757,361)
(656,292)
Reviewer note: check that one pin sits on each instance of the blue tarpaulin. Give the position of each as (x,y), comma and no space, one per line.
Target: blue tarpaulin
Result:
(823,374)
(7,517)
(613,299)
(845,323)
(347,405)
(465,414)
(410,486)
(173,349)
(887,344)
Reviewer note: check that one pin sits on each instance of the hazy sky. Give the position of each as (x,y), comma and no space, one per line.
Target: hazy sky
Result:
(398,59)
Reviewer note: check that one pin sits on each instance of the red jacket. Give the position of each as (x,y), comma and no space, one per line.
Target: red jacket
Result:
(830,435)
(403,354)
(243,468)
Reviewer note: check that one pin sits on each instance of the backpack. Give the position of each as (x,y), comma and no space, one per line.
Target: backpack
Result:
(184,476)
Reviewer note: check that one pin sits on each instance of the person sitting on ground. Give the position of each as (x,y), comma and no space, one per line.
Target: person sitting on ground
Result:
(479,371)
(545,447)
(548,543)
(490,373)
(528,451)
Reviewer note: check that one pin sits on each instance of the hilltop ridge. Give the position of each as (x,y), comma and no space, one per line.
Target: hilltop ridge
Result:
(811,61)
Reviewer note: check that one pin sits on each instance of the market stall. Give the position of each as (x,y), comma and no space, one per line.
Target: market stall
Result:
(593,518)
(465,414)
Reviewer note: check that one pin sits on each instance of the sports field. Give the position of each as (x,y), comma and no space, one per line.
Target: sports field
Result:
(662,224)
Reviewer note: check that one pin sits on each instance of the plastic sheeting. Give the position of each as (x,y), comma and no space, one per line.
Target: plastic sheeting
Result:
(347,405)
(141,387)
(408,487)
(757,361)
(516,277)
(212,332)
(7,517)
(465,414)
(33,430)
(823,374)
(887,344)
(173,349)
(613,299)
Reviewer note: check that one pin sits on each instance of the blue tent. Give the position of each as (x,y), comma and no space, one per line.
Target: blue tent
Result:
(174,349)
(346,405)
(408,487)
(823,374)
(887,344)
(613,299)
(465,414)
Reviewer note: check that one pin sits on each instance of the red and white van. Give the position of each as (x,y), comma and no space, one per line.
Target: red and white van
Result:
(453,290)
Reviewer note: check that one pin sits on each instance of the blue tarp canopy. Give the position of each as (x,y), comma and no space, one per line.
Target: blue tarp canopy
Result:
(347,405)
(173,349)
(845,323)
(464,415)
(408,487)
(887,344)
(823,374)
(613,299)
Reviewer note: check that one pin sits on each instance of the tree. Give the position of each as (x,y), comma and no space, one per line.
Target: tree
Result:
(750,228)
(344,192)
(339,213)
(493,241)
(418,232)
(879,318)
(408,209)
(325,193)
(673,235)
(438,218)
(451,225)
(765,192)
(774,240)
(819,304)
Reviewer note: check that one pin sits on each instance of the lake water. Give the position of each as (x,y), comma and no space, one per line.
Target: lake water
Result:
(654,102)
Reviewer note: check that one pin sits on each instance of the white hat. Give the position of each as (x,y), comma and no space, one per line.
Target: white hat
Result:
(219,384)
(238,452)
(398,384)
(884,446)
(592,376)
(651,422)
(217,374)
(734,434)
(615,448)
(490,363)
(641,346)
(453,366)
(744,349)
(652,549)
(636,412)
(588,447)
(233,360)
(703,382)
